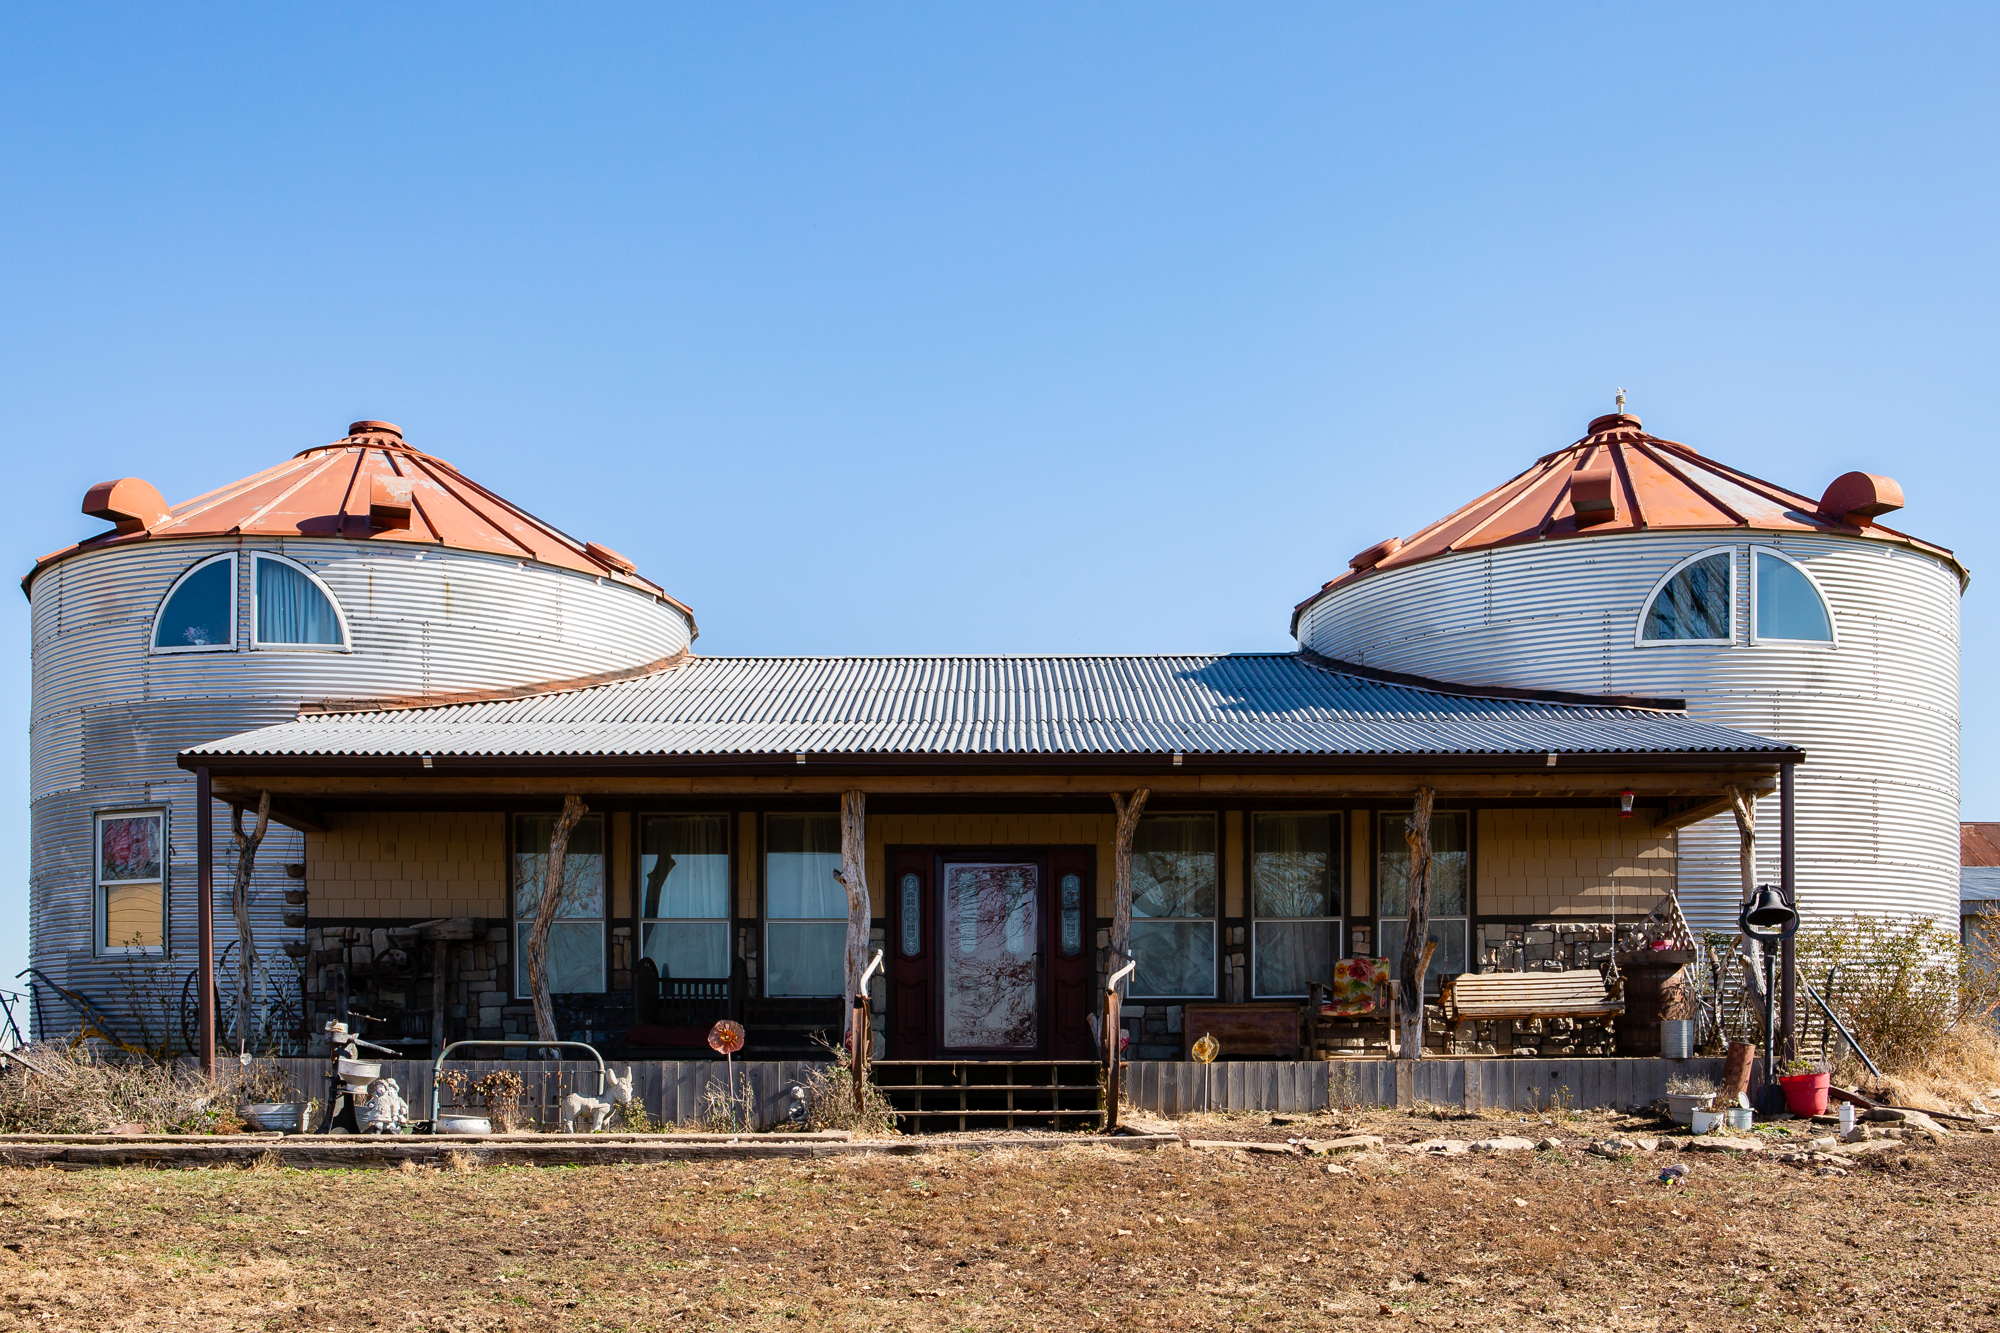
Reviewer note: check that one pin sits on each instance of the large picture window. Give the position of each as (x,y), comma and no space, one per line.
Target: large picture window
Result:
(198,614)
(1295,887)
(132,881)
(293,609)
(684,894)
(1173,907)
(576,940)
(1785,603)
(1694,603)
(1451,868)
(805,927)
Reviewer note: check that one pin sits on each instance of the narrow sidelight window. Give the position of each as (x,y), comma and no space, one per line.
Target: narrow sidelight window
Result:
(684,894)
(132,882)
(1450,895)
(1694,603)
(1295,886)
(805,928)
(1173,907)
(198,614)
(576,941)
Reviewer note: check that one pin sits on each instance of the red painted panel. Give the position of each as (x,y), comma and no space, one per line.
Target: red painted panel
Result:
(912,992)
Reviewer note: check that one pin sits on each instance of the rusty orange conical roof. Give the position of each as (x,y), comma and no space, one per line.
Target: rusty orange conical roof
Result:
(369,486)
(1617,478)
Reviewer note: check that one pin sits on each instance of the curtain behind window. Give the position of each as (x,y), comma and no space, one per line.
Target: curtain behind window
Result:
(291,608)
(1292,877)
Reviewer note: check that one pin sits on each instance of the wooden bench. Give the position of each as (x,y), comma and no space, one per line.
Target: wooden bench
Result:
(1267,1029)
(1502,997)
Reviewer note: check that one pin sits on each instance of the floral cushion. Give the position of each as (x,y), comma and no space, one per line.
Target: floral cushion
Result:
(1358,987)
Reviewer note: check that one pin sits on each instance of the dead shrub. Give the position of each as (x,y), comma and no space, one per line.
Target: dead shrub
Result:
(60,1089)
(829,1091)
(1903,986)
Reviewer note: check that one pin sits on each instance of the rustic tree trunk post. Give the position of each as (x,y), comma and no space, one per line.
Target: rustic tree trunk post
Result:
(554,890)
(853,877)
(239,907)
(1416,935)
(1121,872)
(1743,802)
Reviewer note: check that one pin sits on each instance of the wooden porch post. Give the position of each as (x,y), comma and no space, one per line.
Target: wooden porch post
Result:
(853,877)
(1417,946)
(239,907)
(1788,991)
(554,889)
(204,880)
(1121,870)
(1743,801)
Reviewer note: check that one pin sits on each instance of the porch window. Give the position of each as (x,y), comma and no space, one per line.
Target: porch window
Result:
(576,940)
(1451,863)
(805,909)
(684,894)
(1295,885)
(131,881)
(1173,907)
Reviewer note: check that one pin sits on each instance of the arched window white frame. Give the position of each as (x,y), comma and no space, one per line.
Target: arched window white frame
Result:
(1639,639)
(175,640)
(257,639)
(1761,553)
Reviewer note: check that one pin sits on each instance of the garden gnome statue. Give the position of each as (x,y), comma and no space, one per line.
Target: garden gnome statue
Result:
(386,1112)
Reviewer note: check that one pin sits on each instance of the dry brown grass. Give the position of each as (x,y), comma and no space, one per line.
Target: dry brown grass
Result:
(61,1089)
(1080,1237)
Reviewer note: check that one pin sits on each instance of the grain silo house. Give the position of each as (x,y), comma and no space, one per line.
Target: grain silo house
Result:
(1560,696)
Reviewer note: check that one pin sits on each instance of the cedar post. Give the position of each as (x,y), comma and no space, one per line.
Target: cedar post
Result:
(204,841)
(554,890)
(1417,944)
(439,949)
(239,907)
(853,877)
(1121,870)
(1743,802)
(1111,1060)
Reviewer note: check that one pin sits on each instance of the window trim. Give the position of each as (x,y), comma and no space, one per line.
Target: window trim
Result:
(1337,821)
(1826,604)
(1214,921)
(1639,639)
(518,925)
(346,644)
(98,946)
(1470,917)
(153,631)
(640,920)
(765,919)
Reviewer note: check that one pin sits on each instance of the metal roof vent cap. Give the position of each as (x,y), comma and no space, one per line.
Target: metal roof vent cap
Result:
(374,428)
(1604,425)
(1859,498)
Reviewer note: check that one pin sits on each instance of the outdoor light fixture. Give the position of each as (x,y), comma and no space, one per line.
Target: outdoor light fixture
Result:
(1625,804)
(427,761)
(1768,919)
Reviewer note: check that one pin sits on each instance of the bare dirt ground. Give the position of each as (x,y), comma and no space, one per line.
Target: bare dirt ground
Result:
(1075,1238)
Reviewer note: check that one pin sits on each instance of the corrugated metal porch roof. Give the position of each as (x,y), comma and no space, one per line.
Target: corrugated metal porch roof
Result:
(1251,704)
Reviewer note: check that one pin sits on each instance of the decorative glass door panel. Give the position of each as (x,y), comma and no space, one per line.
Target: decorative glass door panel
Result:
(991,927)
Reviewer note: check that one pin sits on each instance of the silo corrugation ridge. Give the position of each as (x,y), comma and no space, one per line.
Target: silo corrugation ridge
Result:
(1877,716)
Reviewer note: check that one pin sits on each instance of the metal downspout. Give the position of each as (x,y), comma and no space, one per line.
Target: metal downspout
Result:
(1788,997)
(204,835)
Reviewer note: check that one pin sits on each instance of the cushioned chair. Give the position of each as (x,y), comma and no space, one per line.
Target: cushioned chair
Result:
(1355,1013)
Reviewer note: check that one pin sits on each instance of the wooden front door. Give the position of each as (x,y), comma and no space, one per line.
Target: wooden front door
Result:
(989,953)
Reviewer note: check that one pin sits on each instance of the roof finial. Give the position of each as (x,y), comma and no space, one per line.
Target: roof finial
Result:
(1621,402)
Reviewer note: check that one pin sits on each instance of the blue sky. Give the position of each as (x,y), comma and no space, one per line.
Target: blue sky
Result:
(939,328)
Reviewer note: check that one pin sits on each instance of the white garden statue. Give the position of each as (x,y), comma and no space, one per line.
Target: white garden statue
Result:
(577,1106)
(385,1111)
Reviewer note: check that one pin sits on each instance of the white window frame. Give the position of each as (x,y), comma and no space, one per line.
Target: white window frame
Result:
(764,877)
(346,644)
(1639,639)
(99,945)
(519,925)
(727,920)
(1466,919)
(1213,921)
(1826,603)
(153,630)
(1337,892)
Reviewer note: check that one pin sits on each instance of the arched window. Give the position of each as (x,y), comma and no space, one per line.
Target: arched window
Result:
(1786,605)
(292,608)
(1694,603)
(198,614)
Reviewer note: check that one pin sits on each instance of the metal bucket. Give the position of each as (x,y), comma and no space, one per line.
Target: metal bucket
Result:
(360,1071)
(283,1117)
(1738,1118)
(449,1122)
(1677,1038)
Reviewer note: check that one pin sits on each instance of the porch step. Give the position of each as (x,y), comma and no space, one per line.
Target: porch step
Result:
(939,1096)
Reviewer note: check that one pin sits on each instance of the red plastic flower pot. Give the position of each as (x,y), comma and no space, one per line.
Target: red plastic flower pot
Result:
(1805,1094)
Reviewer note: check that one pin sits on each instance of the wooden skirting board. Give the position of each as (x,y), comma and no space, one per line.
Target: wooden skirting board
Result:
(1171,1088)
